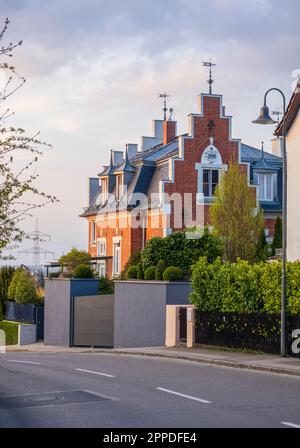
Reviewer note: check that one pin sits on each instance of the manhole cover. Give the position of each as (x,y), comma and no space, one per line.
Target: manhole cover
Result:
(49,399)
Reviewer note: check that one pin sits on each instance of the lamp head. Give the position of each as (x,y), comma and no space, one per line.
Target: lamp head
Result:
(264,117)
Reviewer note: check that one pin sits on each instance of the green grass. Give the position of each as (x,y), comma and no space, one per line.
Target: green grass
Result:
(11,331)
(228,349)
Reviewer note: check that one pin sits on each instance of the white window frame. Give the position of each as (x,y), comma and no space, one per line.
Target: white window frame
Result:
(119,186)
(117,258)
(93,232)
(101,266)
(101,242)
(104,186)
(256,176)
(200,168)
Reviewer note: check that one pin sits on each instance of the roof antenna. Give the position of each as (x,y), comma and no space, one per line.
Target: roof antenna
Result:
(165,109)
(210,81)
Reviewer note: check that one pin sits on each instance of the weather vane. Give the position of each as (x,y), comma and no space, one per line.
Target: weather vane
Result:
(210,81)
(165,109)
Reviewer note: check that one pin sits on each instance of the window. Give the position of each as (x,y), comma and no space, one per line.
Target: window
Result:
(266,186)
(119,186)
(104,186)
(101,247)
(210,182)
(117,258)
(101,268)
(93,232)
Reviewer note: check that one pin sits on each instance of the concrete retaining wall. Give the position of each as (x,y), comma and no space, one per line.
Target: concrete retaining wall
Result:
(26,334)
(140,311)
(57,312)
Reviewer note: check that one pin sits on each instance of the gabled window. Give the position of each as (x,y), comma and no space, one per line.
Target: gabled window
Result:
(266,186)
(119,186)
(104,185)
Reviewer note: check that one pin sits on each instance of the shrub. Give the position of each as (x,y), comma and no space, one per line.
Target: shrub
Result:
(83,271)
(134,260)
(242,287)
(25,289)
(11,332)
(140,272)
(160,269)
(54,275)
(150,273)
(6,274)
(179,251)
(132,272)
(106,286)
(277,240)
(172,274)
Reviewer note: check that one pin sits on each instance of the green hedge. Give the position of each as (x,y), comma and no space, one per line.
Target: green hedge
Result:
(241,287)
(172,274)
(11,331)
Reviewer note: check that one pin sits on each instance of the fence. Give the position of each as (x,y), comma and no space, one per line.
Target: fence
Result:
(27,314)
(253,331)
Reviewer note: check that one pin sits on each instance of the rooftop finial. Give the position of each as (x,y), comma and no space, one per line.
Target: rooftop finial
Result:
(210,81)
(165,109)
(262,151)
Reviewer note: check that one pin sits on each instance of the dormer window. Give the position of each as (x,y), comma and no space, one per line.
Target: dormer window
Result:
(266,186)
(104,185)
(119,186)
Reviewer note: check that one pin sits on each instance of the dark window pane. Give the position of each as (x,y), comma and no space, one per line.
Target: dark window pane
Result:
(215,176)
(205,176)
(206,189)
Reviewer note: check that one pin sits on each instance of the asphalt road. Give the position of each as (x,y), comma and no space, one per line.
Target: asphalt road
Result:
(111,391)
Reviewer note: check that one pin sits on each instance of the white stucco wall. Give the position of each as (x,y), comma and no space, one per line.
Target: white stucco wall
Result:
(293,218)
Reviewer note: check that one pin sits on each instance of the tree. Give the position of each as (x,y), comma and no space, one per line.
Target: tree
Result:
(11,292)
(83,271)
(262,247)
(25,289)
(277,240)
(6,274)
(19,195)
(74,258)
(235,217)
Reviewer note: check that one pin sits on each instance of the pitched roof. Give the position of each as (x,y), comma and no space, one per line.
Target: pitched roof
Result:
(291,112)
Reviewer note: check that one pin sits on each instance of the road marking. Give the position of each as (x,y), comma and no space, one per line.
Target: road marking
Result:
(24,362)
(291,425)
(95,373)
(200,400)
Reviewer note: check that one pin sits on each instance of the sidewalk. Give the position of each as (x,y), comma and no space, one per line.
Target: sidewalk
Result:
(265,362)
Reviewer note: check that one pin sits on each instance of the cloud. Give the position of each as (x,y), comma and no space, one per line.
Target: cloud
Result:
(95,68)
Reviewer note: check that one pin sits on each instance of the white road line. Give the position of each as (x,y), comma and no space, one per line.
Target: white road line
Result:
(291,425)
(183,395)
(23,362)
(95,373)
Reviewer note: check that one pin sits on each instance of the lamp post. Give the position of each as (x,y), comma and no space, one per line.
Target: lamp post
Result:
(265,118)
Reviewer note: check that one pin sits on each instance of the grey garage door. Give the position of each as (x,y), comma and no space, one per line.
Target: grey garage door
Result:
(93,324)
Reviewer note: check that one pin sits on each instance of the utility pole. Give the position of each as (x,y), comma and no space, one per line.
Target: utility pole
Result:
(36,236)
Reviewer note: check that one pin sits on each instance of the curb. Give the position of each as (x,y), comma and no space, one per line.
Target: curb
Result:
(196,359)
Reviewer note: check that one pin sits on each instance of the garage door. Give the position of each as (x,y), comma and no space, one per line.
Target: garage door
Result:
(93,321)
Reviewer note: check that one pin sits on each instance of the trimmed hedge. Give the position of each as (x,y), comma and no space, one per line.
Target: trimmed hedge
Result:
(150,273)
(241,287)
(180,251)
(132,272)
(172,274)
(160,269)
(140,272)
(11,332)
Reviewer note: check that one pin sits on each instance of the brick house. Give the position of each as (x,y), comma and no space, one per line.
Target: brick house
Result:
(168,184)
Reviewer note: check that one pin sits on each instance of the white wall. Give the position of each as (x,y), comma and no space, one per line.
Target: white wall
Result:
(293,218)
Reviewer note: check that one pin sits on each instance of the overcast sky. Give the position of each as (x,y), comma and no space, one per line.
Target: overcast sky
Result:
(94,69)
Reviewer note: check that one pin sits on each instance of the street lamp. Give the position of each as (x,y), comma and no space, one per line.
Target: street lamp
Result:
(264,118)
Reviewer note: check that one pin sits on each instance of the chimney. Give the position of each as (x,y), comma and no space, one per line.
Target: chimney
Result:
(132,150)
(276,147)
(117,157)
(169,131)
